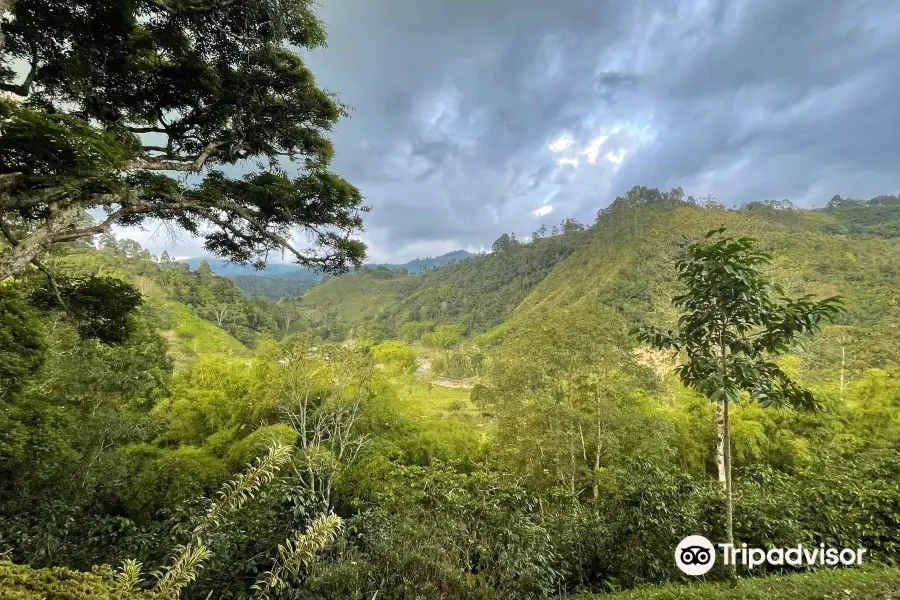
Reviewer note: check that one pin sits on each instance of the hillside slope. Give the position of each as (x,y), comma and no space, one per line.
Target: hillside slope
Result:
(188,333)
(628,266)
(480,293)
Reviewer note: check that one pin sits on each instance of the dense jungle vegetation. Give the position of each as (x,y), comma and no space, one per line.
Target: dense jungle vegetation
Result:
(499,427)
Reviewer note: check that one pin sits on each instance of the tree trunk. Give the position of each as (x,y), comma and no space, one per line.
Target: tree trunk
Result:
(597,455)
(729,500)
(720,443)
(726,442)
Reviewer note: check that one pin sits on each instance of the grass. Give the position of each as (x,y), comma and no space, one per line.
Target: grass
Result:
(190,336)
(870,583)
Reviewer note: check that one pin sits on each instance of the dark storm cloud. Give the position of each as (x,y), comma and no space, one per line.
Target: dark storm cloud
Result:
(456,105)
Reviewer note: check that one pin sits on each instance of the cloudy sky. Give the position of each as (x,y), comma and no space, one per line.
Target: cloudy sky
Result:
(476,117)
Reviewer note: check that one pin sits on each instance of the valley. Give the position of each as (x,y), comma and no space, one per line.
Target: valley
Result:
(510,379)
(219,380)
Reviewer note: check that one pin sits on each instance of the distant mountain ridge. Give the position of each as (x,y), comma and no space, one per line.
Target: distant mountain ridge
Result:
(275,270)
(293,271)
(424,264)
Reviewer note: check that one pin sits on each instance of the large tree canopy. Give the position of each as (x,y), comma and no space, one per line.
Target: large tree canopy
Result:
(124,100)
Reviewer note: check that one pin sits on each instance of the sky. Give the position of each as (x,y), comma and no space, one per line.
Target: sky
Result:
(476,117)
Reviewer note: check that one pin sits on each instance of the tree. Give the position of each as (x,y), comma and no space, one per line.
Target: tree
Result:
(570,225)
(204,270)
(444,336)
(501,244)
(122,95)
(733,323)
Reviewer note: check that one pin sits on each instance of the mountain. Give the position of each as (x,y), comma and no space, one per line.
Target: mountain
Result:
(624,266)
(480,292)
(418,265)
(625,277)
(276,270)
(293,271)
(286,280)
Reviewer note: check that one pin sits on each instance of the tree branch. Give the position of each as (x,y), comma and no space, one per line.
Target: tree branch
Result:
(17,259)
(173,164)
(14,242)
(24,88)
(103,227)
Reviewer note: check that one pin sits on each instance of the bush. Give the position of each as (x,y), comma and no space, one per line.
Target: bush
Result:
(257,444)
(397,359)
(850,501)
(458,364)
(412,331)
(646,509)
(174,477)
(19,582)
(444,336)
(442,534)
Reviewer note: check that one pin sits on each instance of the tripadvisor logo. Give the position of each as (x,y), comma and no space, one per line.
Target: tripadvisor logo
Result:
(695,555)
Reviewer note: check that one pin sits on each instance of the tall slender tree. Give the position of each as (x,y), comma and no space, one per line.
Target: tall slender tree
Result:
(733,323)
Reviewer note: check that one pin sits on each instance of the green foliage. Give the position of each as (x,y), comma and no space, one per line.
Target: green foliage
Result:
(442,534)
(183,571)
(412,331)
(20,582)
(296,554)
(273,288)
(20,341)
(172,477)
(731,323)
(52,147)
(397,359)
(247,96)
(848,500)
(100,305)
(647,507)
(246,450)
(235,493)
(575,464)
(479,292)
(444,336)
(460,363)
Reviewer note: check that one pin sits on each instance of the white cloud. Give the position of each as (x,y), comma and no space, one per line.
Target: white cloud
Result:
(561,143)
(544,210)
(568,161)
(616,157)
(593,149)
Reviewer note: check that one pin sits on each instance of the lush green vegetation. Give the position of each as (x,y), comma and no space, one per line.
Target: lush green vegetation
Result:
(575,442)
(478,293)
(508,426)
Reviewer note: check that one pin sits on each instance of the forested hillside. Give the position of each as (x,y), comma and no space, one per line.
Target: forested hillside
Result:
(577,440)
(550,419)
(478,292)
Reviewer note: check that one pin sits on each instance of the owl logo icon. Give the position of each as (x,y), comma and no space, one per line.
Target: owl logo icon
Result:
(695,555)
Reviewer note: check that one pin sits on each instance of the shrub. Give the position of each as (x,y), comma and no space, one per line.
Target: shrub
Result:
(444,336)
(175,476)
(257,443)
(412,331)
(20,582)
